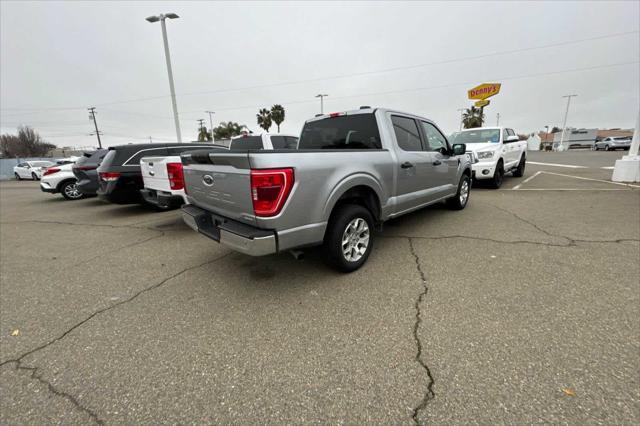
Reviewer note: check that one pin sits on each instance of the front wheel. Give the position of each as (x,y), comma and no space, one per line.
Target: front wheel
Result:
(17,176)
(498,176)
(606,148)
(69,190)
(34,176)
(459,201)
(349,238)
(519,171)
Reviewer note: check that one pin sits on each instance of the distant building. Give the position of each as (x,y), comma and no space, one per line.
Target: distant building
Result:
(575,138)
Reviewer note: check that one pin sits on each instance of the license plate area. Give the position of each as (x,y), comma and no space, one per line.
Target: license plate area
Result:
(203,222)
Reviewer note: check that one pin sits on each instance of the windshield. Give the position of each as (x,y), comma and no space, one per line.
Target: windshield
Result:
(41,164)
(478,136)
(358,131)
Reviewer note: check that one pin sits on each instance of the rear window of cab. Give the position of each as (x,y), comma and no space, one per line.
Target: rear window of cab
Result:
(359,131)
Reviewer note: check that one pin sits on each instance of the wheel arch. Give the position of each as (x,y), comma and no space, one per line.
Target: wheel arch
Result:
(64,181)
(363,190)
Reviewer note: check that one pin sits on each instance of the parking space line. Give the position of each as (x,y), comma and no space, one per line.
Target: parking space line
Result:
(568,189)
(526,180)
(608,168)
(570,166)
(594,180)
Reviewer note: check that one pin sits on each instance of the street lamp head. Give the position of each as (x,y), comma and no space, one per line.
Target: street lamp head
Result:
(171,15)
(153,18)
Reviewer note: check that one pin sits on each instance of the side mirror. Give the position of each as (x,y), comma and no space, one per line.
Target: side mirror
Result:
(512,138)
(459,149)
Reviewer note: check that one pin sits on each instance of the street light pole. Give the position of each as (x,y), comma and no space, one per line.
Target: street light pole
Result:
(497,119)
(92,111)
(162,18)
(211,124)
(461,112)
(566,113)
(321,96)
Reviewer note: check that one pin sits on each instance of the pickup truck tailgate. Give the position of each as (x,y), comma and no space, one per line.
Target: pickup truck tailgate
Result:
(220,183)
(154,172)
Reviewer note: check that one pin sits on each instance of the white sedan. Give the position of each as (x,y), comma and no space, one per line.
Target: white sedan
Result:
(31,169)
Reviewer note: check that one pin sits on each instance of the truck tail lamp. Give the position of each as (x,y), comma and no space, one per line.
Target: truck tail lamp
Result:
(270,189)
(50,171)
(176,175)
(109,176)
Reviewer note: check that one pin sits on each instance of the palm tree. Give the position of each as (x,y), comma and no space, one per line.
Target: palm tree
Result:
(472,117)
(264,118)
(203,134)
(226,130)
(277,115)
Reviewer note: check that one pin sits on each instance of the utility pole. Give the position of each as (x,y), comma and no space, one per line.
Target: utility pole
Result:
(92,116)
(162,18)
(461,110)
(211,123)
(321,96)
(150,140)
(497,119)
(566,113)
(200,121)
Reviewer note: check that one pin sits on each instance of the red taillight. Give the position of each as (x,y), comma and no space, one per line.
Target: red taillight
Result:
(109,176)
(336,114)
(270,189)
(176,176)
(50,171)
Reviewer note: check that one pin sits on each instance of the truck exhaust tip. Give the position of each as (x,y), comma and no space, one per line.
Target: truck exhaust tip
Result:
(297,254)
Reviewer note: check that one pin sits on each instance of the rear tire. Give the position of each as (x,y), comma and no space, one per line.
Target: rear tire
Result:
(460,200)
(498,176)
(69,190)
(519,171)
(348,240)
(17,176)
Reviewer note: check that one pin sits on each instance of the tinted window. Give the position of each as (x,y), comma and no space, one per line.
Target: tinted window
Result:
(22,165)
(435,140)
(157,152)
(284,142)
(407,133)
(249,142)
(511,132)
(358,131)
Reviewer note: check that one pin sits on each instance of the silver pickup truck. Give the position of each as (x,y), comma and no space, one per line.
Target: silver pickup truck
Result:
(352,171)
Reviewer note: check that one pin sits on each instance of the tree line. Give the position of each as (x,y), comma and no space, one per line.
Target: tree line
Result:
(27,143)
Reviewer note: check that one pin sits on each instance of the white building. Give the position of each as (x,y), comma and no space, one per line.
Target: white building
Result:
(575,138)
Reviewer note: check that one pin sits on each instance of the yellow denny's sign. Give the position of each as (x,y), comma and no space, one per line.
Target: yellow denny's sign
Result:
(483,103)
(484,91)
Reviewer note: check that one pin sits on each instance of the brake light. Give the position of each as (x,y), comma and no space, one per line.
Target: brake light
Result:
(270,189)
(109,176)
(336,114)
(176,175)
(50,171)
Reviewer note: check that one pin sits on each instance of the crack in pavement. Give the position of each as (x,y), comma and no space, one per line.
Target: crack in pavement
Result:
(571,243)
(429,394)
(19,361)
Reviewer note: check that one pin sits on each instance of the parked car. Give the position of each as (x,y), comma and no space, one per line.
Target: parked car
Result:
(498,150)
(613,143)
(67,160)
(59,179)
(119,175)
(85,171)
(30,169)
(351,172)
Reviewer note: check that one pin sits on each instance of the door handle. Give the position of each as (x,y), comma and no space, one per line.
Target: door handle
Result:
(437,163)
(406,165)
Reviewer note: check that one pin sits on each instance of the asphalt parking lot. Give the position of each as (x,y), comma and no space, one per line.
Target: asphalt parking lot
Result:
(522,308)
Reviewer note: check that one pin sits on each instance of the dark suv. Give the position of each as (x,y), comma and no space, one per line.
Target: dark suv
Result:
(85,170)
(119,174)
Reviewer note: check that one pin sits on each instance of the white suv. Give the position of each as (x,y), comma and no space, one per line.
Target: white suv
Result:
(60,179)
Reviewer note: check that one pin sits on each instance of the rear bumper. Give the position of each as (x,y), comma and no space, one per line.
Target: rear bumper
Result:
(46,188)
(236,235)
(160,199)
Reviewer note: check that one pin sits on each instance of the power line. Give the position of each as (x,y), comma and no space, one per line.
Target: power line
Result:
(358,74)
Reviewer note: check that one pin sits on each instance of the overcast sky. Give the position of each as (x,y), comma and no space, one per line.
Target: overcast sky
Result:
(58,58)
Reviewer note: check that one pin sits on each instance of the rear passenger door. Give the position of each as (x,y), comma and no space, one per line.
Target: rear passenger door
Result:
(414,165)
